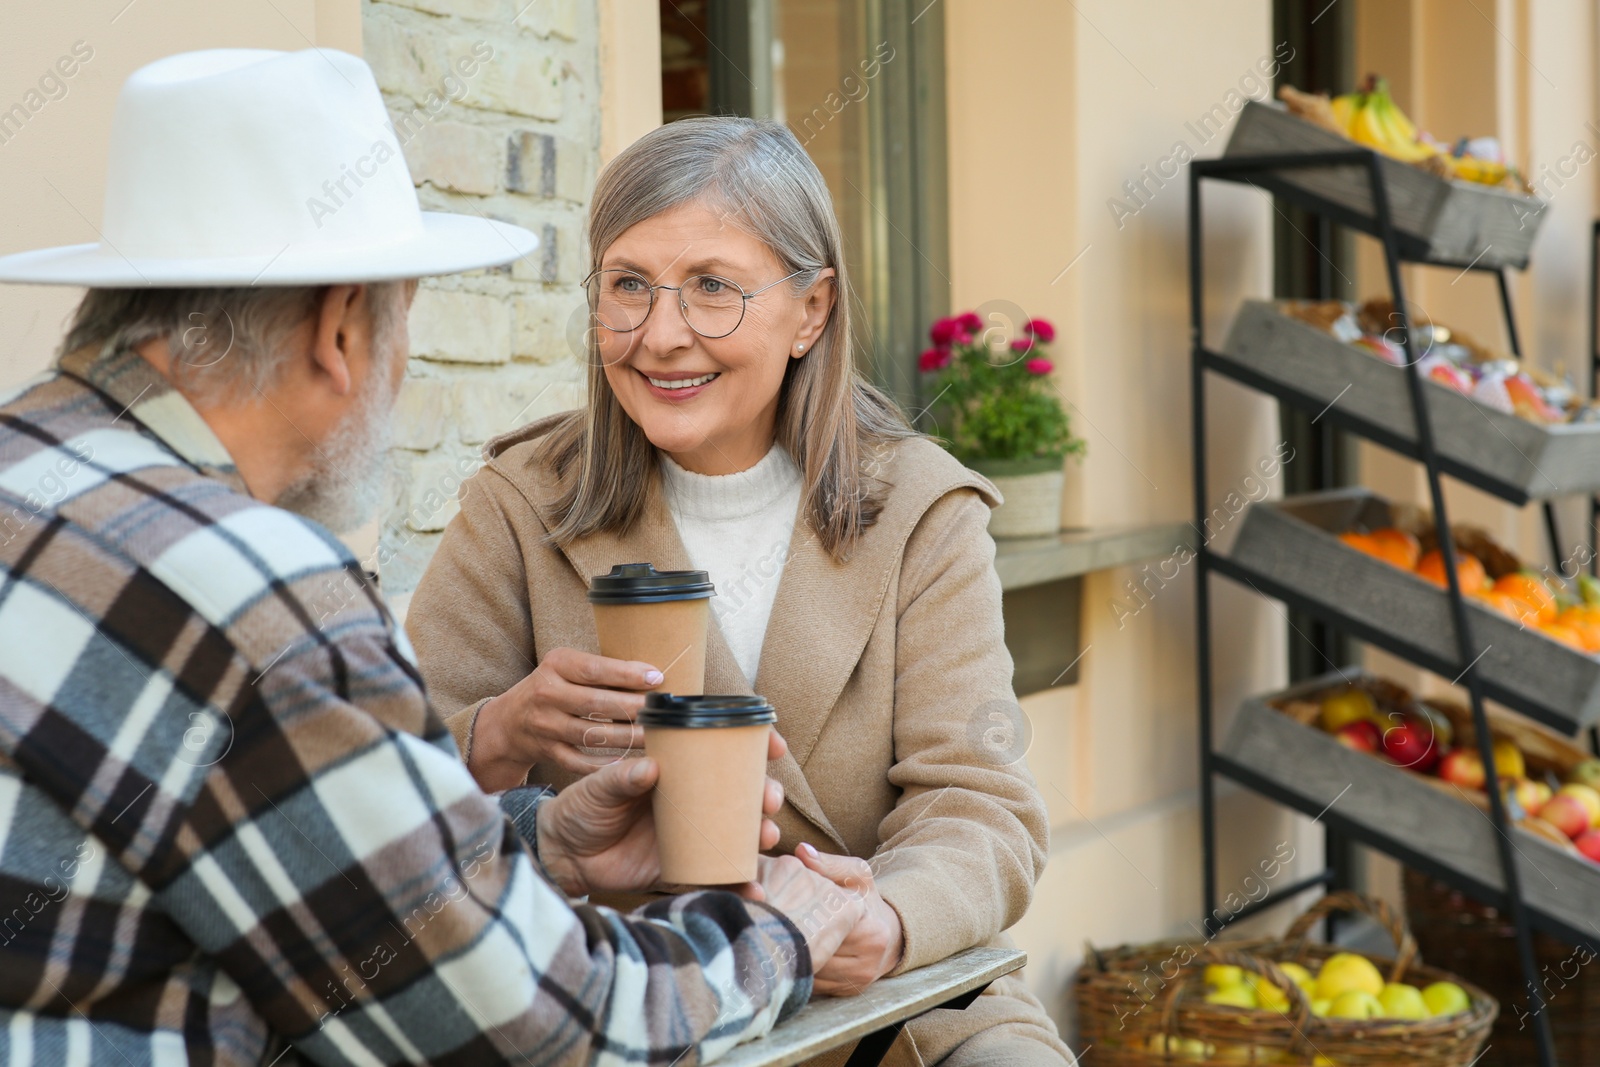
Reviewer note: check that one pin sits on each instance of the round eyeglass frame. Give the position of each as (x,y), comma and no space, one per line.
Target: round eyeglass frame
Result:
(683,306)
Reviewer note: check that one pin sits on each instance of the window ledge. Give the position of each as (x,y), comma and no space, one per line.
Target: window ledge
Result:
(1028,561)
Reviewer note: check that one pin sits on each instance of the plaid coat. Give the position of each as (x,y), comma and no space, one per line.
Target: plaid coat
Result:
(232,829)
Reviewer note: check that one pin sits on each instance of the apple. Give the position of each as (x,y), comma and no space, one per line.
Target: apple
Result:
(1401,1001)
(1586,796)
(1453,377)
(1361,735)
(1345,972)
(1588,843)
(1567,814)
(1355,1004)
(1223,974)
(1529,795)
(1463,767)
(1299,976)
(1411,745)
(1268,995)
(1586,773)
(1237,995)
(1446,998)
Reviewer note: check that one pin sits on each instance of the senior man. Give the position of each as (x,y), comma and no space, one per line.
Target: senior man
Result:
(232,829)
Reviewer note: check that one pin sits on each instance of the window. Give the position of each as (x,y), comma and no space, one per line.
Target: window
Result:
(861,84)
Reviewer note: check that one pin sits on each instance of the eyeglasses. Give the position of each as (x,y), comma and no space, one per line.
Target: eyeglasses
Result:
(712,306)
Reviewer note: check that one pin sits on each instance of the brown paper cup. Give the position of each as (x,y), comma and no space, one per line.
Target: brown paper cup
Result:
(670,635)
(712,752)
(655,617)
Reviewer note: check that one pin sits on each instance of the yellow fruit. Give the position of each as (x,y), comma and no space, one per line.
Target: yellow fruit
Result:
(1508,762)
(1401,1001)
(1223,974)
(1354,1004)
(1268,995)
(1478,170)
(1344,108)
(1446,998)
(1343,708)
(1299,976)
(1320,1006)
(1347,972)
(1238,995)
(1322,1061)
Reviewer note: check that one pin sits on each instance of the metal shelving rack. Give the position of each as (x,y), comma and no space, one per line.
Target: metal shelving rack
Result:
(1266,172)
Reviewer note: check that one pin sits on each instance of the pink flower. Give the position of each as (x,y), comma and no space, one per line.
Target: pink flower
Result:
(1040,366)
(1022,344)
(970,322)
(943,331)
(933,359)
(1041,329)
(963,338)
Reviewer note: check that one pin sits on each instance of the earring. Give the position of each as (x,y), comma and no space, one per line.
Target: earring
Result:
(799,348)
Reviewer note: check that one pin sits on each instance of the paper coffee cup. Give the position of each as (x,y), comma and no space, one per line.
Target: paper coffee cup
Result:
(712,751)
(655,617)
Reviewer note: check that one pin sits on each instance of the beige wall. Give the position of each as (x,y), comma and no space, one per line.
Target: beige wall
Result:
(1046,125)
(630,73)
(52,171)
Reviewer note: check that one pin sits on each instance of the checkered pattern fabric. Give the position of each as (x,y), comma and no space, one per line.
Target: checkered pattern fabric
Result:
(232,829)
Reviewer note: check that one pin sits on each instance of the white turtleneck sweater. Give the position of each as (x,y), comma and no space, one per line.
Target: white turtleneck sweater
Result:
(737,527)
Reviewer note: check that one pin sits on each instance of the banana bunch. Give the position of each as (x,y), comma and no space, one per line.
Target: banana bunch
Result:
(1373,119)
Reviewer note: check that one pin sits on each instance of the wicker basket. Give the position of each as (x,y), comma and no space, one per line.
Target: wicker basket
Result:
(1459,933)
(1129,1023)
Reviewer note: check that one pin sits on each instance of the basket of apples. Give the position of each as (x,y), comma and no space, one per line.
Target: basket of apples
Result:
(1551,788)
(1289,1001)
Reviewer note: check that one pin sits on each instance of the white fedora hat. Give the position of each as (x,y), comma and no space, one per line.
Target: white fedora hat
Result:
(246,167)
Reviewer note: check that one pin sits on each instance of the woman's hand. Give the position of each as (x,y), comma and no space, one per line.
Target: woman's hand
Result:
(572,699)
(598,834)
(824,913)
(874,945)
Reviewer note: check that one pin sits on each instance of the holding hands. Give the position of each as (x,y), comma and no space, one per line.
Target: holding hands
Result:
(599,833)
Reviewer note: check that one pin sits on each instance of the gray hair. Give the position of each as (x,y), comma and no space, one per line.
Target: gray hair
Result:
(830,420)
(225,343)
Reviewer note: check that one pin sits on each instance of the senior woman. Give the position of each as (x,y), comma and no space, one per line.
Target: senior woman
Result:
(727,430)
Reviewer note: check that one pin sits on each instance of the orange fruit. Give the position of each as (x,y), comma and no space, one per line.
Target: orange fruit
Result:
(1468,568)
(1585,623)
(1404,548)
(1361,542)
(1534,594)
(1503,603)
(1565,634)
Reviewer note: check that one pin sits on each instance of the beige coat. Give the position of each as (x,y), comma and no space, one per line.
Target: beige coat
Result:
(884,670)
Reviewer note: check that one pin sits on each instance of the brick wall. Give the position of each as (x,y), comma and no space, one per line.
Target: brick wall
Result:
(496,106)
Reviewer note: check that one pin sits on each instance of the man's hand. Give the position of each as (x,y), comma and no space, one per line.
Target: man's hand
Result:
(824,911)
(874,945)
(598,834)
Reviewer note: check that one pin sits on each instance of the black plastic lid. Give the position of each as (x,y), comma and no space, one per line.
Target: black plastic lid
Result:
(665,709)
(641,583)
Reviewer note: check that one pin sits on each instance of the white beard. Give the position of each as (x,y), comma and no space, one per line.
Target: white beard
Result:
(350,469)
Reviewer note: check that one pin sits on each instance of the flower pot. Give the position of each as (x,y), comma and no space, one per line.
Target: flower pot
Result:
(1032,492)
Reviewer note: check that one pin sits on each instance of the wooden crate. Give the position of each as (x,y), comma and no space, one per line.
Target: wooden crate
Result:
(1414,813)
(1436,218)
(1536,461)
(1294,542)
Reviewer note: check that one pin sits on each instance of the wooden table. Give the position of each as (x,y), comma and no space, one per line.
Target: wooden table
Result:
(876,1017)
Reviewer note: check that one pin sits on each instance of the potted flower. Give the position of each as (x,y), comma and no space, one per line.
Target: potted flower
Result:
(1002,417)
